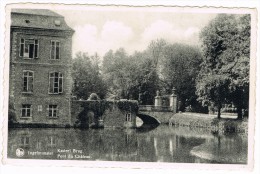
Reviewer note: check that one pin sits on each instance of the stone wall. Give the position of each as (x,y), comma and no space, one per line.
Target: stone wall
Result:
(76,109)
(117,118)
(112,116)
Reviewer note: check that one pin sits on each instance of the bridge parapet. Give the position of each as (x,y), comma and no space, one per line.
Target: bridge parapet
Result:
(155,108)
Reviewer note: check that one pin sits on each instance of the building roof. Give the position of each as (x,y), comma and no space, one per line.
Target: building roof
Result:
(42,12)
(38,19)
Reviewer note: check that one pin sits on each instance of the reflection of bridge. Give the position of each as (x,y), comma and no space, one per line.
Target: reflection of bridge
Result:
(161,112)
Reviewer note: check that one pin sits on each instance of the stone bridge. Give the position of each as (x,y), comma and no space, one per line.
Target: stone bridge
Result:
(87,113)
(151,114)
(163,109)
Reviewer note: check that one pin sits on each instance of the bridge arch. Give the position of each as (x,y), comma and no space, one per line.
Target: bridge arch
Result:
(148,120)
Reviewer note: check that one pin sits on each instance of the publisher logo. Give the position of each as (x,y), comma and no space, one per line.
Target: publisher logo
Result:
(19,152)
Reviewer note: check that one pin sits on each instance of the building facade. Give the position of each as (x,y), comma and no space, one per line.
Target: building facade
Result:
(40,67)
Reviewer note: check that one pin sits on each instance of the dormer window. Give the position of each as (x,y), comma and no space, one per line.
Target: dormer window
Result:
(57,23)
(27,21)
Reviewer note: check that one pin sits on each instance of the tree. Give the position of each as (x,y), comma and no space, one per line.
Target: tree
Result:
(127,76)
(160,67)
(117,71)
(213,89)
(11,113)
(86,76)
(226,49)
(179,69)
(154,53)
(147,78)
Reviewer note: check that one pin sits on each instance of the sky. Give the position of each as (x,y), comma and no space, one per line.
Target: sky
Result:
(102,29)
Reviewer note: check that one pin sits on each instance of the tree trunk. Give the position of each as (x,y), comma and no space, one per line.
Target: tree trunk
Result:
(219,109)
(239,113)
(239,103)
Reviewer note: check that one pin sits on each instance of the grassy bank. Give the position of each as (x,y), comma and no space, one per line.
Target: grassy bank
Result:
(209,122)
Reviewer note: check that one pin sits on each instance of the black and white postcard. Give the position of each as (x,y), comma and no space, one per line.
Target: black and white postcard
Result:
(129,86)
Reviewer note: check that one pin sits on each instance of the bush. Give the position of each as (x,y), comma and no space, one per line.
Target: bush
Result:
(196,108)
(93,96)
(128,105)
(11,114)
(98,107)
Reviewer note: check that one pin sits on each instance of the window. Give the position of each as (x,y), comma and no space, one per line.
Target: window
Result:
(27,81)
(26,110)
(55,50)
(53,111)
(39,108)
(25,141)
(29,48)
(55,83)
(52,141)
(38,144)
(128,117)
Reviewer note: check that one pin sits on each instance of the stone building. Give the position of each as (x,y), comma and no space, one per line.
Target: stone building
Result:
(40,67)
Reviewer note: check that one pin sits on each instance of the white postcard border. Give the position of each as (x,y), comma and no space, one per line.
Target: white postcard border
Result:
(252,119)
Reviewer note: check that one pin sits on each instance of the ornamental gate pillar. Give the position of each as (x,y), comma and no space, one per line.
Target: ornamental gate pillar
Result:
(173,101)
(158,99)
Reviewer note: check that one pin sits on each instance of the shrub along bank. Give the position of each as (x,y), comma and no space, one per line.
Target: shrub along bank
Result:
(209,122)
(85,119)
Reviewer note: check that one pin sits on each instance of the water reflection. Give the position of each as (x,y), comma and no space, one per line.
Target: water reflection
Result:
(161,144)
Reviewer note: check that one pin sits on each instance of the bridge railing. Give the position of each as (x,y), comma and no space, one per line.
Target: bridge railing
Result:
(155,108)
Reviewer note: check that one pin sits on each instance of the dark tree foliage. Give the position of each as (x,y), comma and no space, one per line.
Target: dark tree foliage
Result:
(128,76)
(160,67)
(87,77)
(226,49)
(11,114)
(180,67)
(97,108)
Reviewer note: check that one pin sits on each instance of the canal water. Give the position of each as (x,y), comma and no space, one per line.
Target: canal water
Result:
(161,144)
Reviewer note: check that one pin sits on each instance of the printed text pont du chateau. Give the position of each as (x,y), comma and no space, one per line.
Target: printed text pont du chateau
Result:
(70,154)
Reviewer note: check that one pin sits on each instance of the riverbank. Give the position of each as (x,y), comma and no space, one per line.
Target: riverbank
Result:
(37,125)
(228,123)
